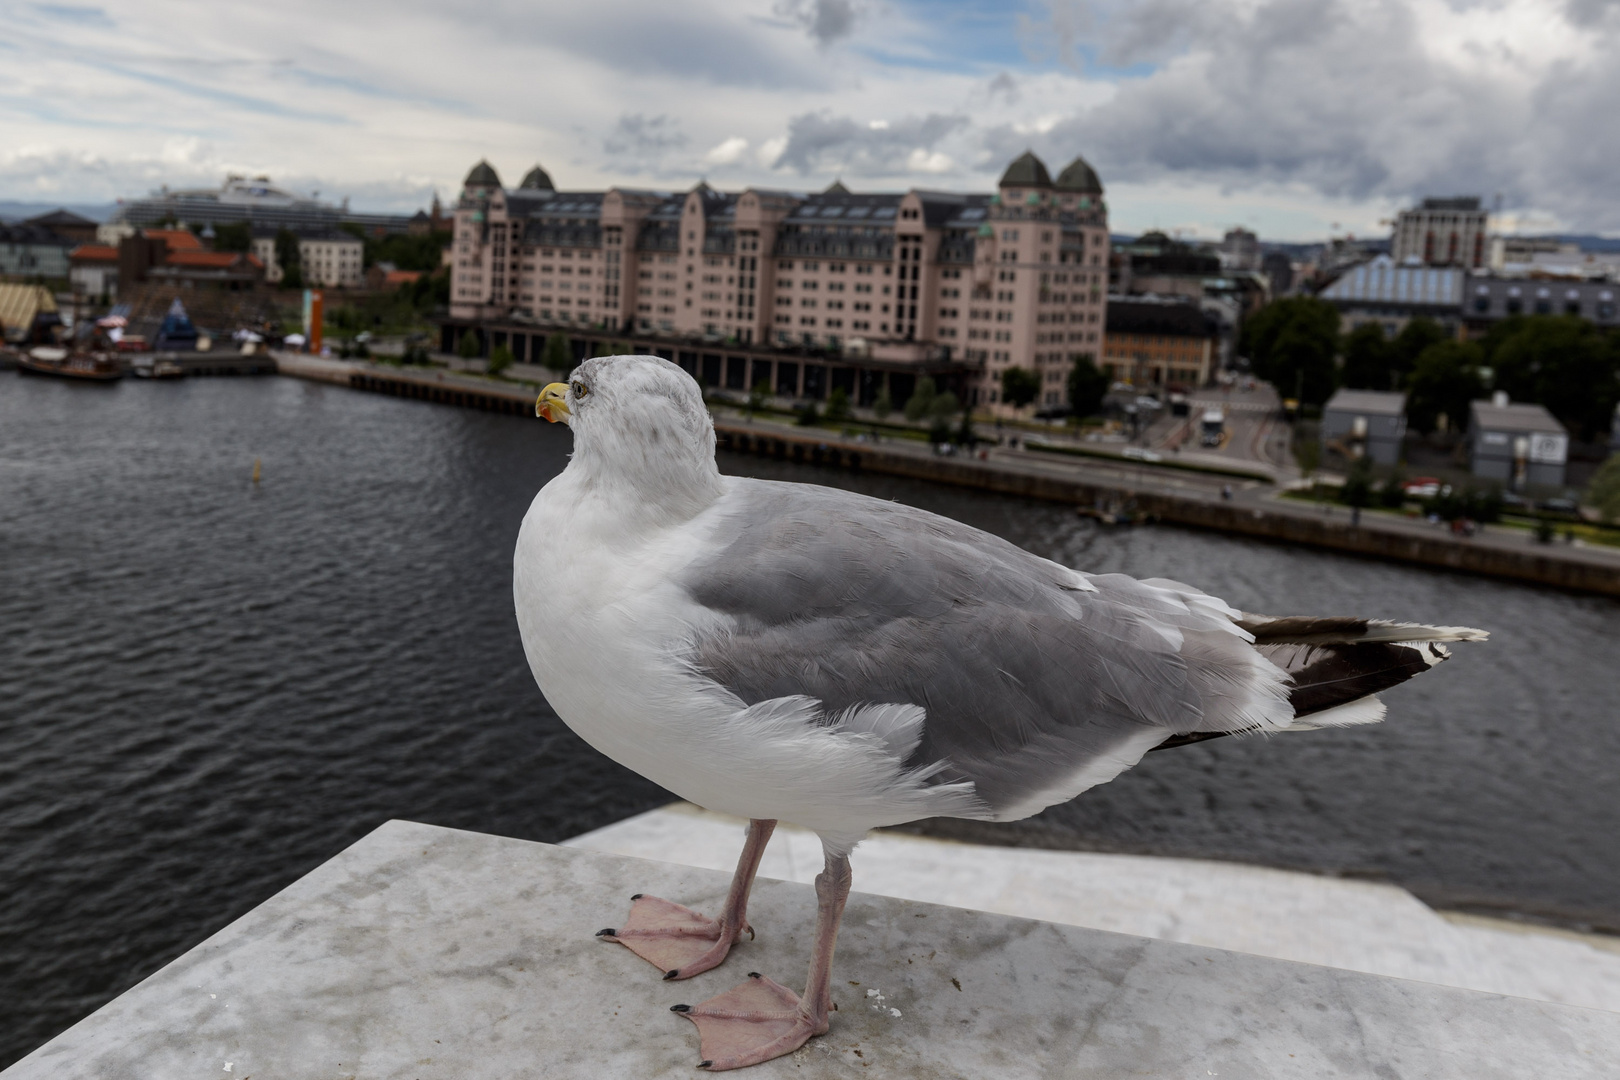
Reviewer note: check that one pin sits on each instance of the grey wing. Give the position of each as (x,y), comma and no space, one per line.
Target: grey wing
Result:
(1037,681)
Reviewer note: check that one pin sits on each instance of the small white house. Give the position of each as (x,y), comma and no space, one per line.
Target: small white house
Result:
(1518,443)
(1365,423)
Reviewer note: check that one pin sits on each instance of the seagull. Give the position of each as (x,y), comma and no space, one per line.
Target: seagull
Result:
(789,652)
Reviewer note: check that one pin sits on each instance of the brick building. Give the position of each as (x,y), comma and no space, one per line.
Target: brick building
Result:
(870,289)
(1159,341)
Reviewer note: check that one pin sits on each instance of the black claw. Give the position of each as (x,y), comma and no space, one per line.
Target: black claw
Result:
(750,933)
(609,932)
(704,1064)
(671,973)
(637,896)
(755,975)
(680,1008)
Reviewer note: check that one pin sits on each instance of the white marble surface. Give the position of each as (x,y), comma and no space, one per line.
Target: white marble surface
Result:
(1359,925)
(423,953)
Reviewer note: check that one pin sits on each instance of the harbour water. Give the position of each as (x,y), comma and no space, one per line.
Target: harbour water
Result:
(209,686)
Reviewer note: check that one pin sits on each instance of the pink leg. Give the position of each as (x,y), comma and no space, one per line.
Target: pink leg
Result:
(762,1019)
(680,942)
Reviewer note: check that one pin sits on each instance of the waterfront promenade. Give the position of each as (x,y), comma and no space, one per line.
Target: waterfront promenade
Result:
(1246,507)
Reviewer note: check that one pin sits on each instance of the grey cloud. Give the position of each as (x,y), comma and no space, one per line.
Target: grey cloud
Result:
(1340,96)
(638,37)
(1005,85)
(821,142)
(825,20)
(1589,14)
(643,136)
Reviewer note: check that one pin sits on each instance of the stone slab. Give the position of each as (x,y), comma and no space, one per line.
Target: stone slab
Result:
(422,953)
(1366,926)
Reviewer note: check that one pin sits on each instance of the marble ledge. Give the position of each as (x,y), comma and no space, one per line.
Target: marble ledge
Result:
(422,952)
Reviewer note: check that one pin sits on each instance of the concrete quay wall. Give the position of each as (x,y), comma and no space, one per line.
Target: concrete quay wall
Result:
(1541,566)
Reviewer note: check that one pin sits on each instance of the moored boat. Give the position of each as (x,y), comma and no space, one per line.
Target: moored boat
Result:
(56,360)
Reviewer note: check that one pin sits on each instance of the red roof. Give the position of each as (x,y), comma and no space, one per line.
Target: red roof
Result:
(94,253)
(402,277)
(176,239)
(220,260)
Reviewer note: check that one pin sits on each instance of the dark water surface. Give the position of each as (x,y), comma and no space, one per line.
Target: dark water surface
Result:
(207,687)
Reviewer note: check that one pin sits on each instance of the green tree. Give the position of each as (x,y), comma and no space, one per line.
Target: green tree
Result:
(838,405)
(944,406)
(1604,491)
(756,398)
(884,405)
(1087,386)
(1308,456)
(1444,382)
(558,356)
(1292,343)
(424,252)
(233,236)
(1561,361)
(922,397)
(467,347)
(500,358)
(1019,386)
(1369,362)
(965,435)
(1357,490)
(1416,337)
(288,259)
(1393,494)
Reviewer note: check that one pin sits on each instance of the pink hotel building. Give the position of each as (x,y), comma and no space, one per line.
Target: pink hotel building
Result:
(801,292)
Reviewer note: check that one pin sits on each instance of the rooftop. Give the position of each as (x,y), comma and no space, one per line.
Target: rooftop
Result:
(1382,281)
(1515,416)
(1371,402)
(1027,170)
(1156,315)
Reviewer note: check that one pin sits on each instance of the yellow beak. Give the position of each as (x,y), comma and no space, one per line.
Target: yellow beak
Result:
(552,404)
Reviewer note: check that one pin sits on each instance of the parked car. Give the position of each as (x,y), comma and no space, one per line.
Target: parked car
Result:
(1421,487)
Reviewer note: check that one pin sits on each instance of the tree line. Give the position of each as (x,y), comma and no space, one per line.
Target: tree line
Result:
(1563,362)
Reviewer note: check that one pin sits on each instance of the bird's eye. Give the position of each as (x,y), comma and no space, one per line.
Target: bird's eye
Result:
(580,389)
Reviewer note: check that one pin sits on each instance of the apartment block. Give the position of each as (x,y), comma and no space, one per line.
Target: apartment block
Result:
(328,259)
(880,284)
(1441,232)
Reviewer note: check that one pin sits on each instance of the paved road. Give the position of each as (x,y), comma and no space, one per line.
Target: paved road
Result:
(1255,431)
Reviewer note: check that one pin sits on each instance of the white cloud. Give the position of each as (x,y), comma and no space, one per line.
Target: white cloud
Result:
(925,161)
(728,152)
(771,150)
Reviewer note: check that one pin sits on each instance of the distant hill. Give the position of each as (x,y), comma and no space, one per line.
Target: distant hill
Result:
(12,210)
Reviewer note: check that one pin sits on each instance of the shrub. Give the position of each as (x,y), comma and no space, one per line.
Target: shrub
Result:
(500,358)
(922,397)
(1019,386)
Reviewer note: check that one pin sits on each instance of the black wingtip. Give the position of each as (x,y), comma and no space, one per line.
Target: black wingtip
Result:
(609,932)
(671,973)
(680,1008)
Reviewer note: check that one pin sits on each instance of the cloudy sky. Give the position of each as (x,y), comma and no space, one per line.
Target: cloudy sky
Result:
(1294,117)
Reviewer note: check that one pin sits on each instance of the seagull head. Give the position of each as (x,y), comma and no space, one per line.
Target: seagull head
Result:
(640,423)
